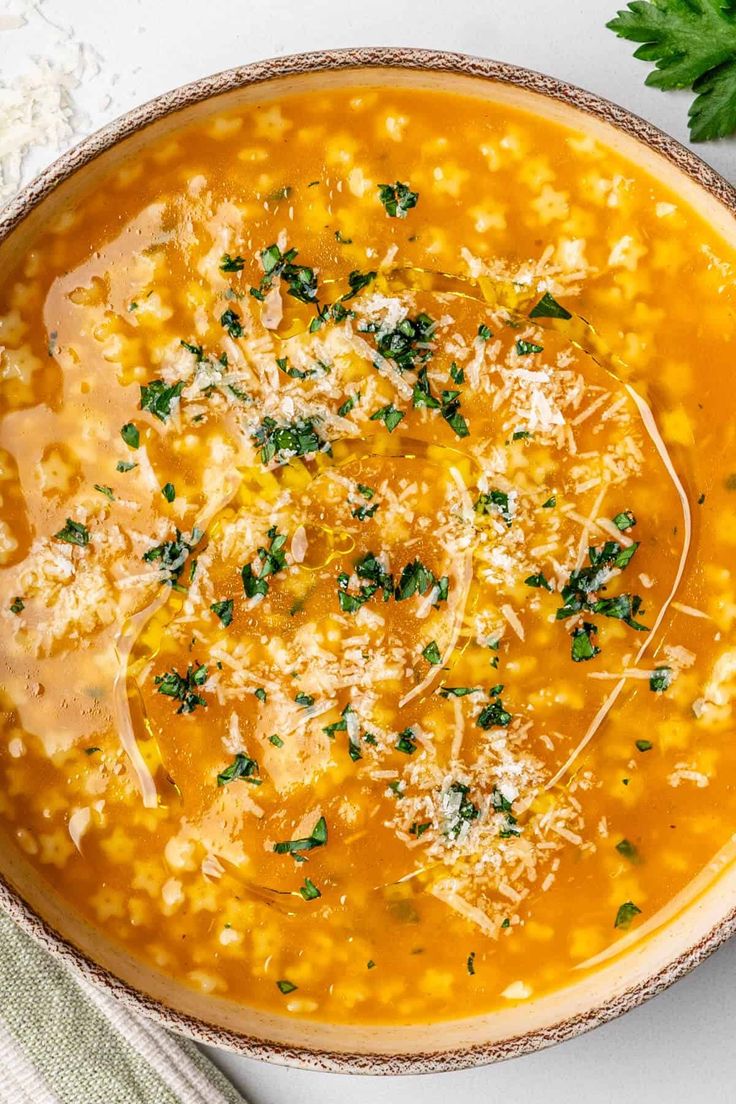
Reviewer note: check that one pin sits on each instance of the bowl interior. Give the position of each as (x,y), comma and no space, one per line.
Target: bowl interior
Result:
(671,941)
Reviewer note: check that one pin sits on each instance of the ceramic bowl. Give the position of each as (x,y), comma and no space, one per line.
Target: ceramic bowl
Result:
(694,924)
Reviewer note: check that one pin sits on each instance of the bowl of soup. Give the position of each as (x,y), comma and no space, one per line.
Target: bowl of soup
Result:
(366,543)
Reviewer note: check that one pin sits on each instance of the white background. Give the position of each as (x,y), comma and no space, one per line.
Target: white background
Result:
(678,1047)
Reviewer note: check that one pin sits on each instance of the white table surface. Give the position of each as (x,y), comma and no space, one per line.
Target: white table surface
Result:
(679,1046)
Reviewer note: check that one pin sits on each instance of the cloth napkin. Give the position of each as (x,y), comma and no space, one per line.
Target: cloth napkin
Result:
(64,1041)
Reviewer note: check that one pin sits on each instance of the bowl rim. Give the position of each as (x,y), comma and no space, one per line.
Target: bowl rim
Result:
(30,196)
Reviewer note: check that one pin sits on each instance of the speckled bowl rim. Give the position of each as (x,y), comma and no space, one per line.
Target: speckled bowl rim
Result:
(427,62)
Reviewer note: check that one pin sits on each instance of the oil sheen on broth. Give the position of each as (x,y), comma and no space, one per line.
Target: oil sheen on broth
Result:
(366,611)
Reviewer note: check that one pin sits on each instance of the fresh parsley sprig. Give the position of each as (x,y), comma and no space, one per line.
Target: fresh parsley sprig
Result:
(693,45)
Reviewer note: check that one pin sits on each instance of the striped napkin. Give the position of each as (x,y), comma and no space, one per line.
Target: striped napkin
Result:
(64,1041)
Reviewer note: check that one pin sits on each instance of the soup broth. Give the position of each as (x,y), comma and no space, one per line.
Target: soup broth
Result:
(367,523)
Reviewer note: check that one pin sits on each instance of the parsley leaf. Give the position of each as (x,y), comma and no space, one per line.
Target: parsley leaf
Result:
(547,307)
(583,646)
(230,321)
(317,839)
(17,606)
(397,199)
(157,397)
(130,435)
(495,502)
(389,415)
(406,742)
(661,679)
(309,890)
(223,610)
(692,44)
(73,533)
(408,343)
(168,491)
(626,913)
(628,850)
(525,348)
(184,688)
(539,580)
(172,555)
(282,442)
(494,715)
(285,986)
(432,653)
(241,767)
(273,560)
(231,264)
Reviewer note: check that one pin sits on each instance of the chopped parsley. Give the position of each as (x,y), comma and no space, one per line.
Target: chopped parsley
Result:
(340,238)
(418,579)
(484,332)
(661,679)
(231,264)
(389,415)
(494,715)
(397,199)
(547,307)
(196,350)
(624,521)
(285,986)
(626,848)
(184,688)
(626,913)
(273,560)
(495,502)
(349,404)
(223,610)
(301,280)
(230,321)
(457,809)
(317,839)
(526,348)
(169,492)
(309,890)
(501,804)
(550,503)
(579,593)
(17,606)
(538,580)
(432,653)
(406,742)
(73,533)
(157,397)
(644,745)
(276,741)
(130,435)
(356,282)
(458,691)
(125,466)
(172,555)
(261,694)
(304,699)
(105,490)
(450,411)
(362,513)
(408,344)
(241,767)
(471,963)
(282,442)
(582,645)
